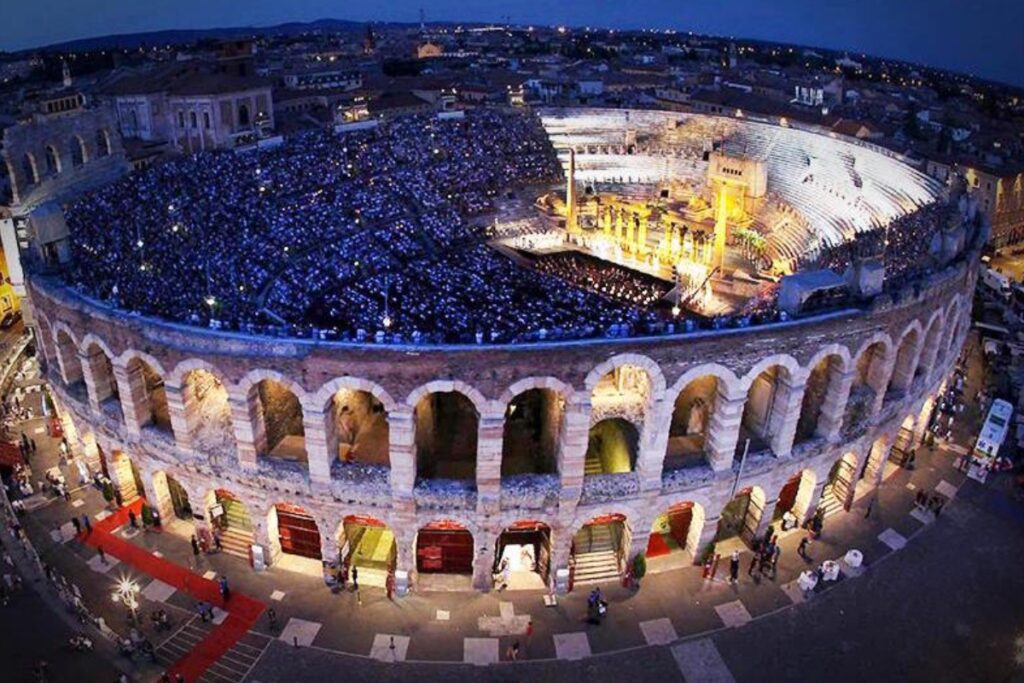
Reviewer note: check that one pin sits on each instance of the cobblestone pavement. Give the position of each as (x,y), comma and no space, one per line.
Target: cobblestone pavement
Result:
(947,606)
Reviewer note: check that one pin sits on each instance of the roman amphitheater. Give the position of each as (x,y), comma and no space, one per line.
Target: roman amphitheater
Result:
(806,367)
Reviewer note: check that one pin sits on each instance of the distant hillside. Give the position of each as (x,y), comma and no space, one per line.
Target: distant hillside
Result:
(183,36)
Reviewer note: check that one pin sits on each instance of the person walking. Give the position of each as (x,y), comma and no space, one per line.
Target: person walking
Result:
(102,554)
(216,541)
(753,565)
(132,521)
(355,578)
(734,566)
(775,559)
(78,525)
(871,505)
(225,590)
(801,549)
(87,524)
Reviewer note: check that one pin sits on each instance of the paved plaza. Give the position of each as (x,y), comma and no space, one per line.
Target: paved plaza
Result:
(952,580)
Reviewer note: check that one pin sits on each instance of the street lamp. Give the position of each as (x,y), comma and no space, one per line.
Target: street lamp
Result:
(126,592)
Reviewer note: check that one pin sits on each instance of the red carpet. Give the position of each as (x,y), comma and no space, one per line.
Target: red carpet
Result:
(656,546)
(242,610)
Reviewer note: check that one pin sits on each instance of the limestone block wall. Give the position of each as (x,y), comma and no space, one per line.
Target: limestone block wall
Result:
(489,378)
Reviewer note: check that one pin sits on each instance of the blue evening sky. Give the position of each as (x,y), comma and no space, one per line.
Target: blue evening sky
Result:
(982,37)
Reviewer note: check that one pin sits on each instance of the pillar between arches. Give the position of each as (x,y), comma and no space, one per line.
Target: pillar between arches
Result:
(724,427)
(488,463)
(317,457)
(785,415)
(178,412)
(402,454)
(573,452)
(131,383)
(246,434)
(833,409)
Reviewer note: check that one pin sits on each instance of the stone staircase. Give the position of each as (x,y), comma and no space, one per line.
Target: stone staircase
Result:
(592,465)
(373,576)
(595,560)
(830,501)
(237,537)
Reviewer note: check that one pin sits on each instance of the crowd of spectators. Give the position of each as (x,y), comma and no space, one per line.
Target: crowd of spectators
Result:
(905,245)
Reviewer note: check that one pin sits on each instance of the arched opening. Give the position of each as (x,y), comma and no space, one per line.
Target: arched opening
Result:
(874,465)
(929,353)
(150,385)
(125,473)
(52,161)
(795,499)
(444,547)
(369,545)
(279,418)
(599,550)
(763,411)
(208,413)
(740,518)
(626,391)
(243,115)
(839,487)
(868,382)
(906,362)
(612,447)
(67,356)
(691,418)
(293,533)
(675,536)
(903,444)
(522,557)
(78,153)
(29,170)
(104,382)
(171,501)
(230,518)
(533,425)
(818,384)
(446,436)
(357,428)
(102,144)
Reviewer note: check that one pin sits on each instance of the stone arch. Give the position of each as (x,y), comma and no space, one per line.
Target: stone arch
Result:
(677,528)
(52,156)
(66,344)
(613,447)
(78,151)
(690,418)
(44,338)
(367,542)
(293,530)
(533,426)
(874,464)
(796,495)
(840,484)
(447,425)
(447,386)
(742,516)
(932,340)
(824,379)
(275,406)
(206,405)
(952,319)
(907,352)
(355,414)
(771,409)
(654,373)
(148,391)
(100,377)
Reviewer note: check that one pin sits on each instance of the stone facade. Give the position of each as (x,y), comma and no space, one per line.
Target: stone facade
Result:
(911,337)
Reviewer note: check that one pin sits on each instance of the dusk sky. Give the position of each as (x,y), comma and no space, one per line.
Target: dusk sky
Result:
(982,37)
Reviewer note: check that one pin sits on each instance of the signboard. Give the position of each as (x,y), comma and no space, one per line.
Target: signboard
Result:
(217,511)
(259,562)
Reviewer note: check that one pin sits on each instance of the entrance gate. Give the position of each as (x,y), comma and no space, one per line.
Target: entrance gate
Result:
(297,531)
(444,548)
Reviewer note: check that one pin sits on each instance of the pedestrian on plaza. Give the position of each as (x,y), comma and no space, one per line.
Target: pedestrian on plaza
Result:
(195,547)
(102,554)
(753,565)
(801,549)
(871,504)
(513,651)
(87,524)
(734,566)
(67,493)
(775,559)
(178,678)
(225,590)
(216,541)
(165,678)
(529,631)
(78,525)
(132,521)
(33,441)
(355,578)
